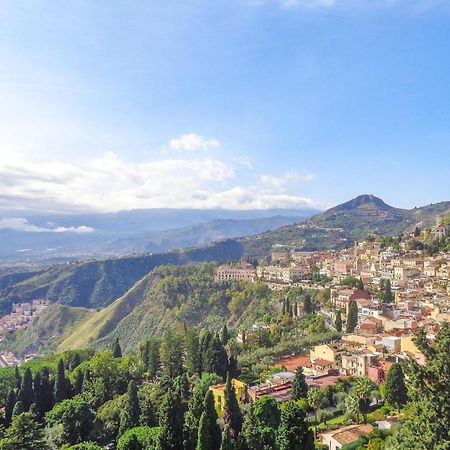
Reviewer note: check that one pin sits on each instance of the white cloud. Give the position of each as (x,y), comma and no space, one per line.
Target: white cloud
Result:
(192,142)
(109,183)
(22,224)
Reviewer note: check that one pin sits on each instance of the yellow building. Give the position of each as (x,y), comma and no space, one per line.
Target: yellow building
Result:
(240,388)
(324,351)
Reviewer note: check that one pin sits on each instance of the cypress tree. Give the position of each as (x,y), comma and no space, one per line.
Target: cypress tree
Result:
(215,359)
(338,321)
(18,378)
(18,409)
(75,362)
(228,442)
(204,441)
(224,337)
(293,432)
(352,316)
(47,391)
(299,386)
(61,383)
(193,359)
(78,385)
(211,415)
(117,351)
(307,304)
(11,400)
(171,423)
(129,416)
(26,393)
(396,391)
(232,414)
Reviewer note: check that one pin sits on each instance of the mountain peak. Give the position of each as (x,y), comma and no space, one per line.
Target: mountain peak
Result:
(365,201)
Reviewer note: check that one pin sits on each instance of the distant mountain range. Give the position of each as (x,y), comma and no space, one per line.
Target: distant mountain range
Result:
(60,237)
(342,225)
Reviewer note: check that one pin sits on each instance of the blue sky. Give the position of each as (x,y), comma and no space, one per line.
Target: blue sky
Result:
(108,105)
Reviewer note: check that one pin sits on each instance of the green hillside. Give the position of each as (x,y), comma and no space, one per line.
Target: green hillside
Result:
(96,284)
(340,226)
(168,297)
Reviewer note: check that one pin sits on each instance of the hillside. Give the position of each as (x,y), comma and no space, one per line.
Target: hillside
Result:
(341,225)
(167,297)
(96,284)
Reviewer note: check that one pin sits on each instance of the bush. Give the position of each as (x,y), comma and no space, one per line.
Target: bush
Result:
(147,437)
(85,446)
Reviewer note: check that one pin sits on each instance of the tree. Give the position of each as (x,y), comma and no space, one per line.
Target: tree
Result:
(212,419)
(417,232)
(338,321)
(26,393)
(267,412)
(228,442)
(18,409)
(352,316)
(396,393)
(204,441)
(232,414)
(307,304)
(117,351)
(315,398)
(129,416)
(171,355)
(171,422)
(224,336)
(17,378)
(149,351)
(215,359)
(363,392)
(428,422)
(76,417)
(299,386)
(293,432)
(139,438)
(24,433)
(193,358)
(78,384)
(9,406)
(61,383)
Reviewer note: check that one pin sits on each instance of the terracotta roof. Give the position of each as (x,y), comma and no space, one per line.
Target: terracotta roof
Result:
(350,434)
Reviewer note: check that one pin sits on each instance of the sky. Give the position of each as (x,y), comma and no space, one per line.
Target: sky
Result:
(110,105)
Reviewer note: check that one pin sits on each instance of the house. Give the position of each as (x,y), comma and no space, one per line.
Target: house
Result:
(228,273)
(336,439)
(240,388)
(325,352)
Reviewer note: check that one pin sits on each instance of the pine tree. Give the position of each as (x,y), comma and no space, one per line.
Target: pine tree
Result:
(24,433)
(61,383)
(293,432)
(396,393)
(26,393)
(117,351)
(171,423)
(338,321)
(352,316)
(232,414)
(129,416)
(299,386)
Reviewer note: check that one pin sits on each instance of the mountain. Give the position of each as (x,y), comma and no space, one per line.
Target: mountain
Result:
(53,238)
(96,284)
(341,225)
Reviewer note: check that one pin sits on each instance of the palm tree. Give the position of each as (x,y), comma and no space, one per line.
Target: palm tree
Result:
(315,398)
(363,391)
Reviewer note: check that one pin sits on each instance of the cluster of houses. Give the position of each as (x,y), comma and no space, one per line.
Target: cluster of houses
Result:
(20,317)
